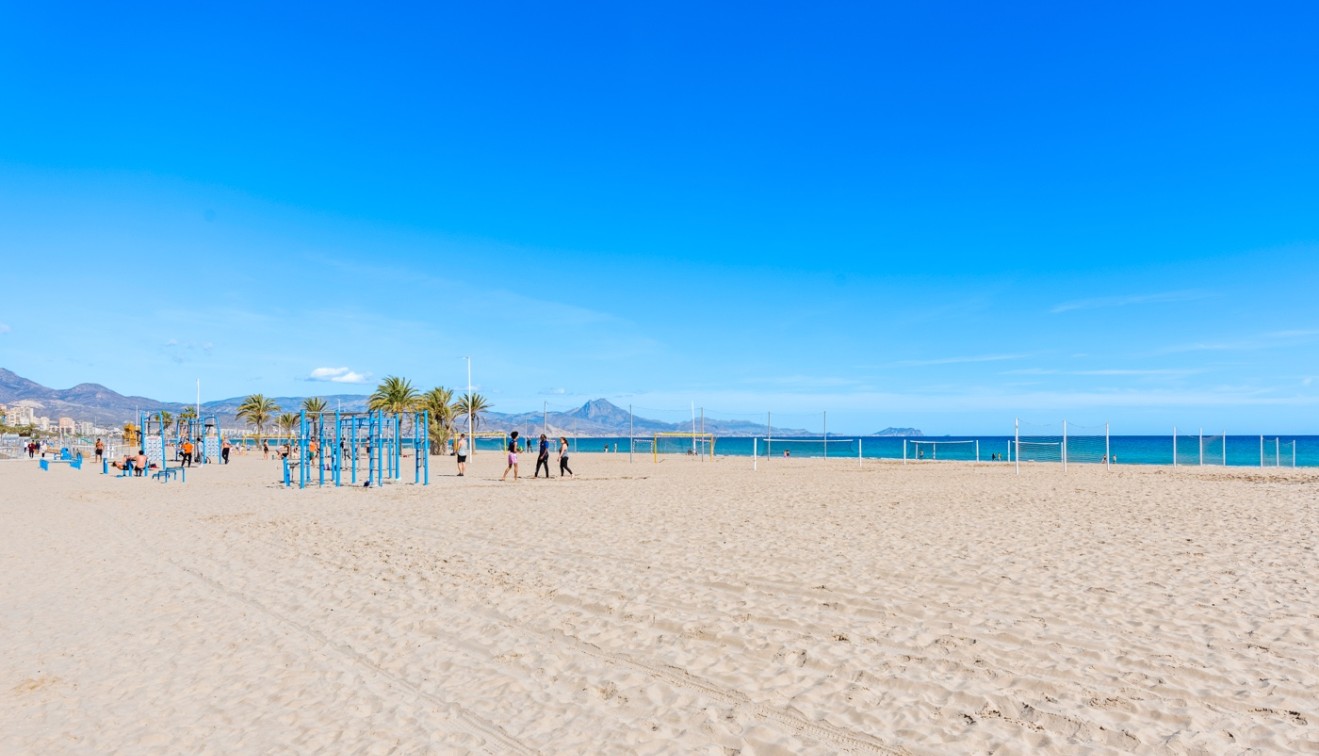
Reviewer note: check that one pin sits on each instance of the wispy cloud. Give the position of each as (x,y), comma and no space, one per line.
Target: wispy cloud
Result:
(182,351)
(1109,372)
(337,375)
(4,328)
(1188,295)
(958,360)
(1263,341)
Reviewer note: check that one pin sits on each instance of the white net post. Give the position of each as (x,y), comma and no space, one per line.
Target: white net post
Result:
(1224,448)
(1174,446)
(1261,451)
(1277,455)
(1016,440)
(1202,447)
(1064,446)
(977,450)
(755,454)
(859,443)
(904,451)
(1108,450)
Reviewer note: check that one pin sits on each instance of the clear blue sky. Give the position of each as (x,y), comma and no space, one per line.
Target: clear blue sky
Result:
(941,215)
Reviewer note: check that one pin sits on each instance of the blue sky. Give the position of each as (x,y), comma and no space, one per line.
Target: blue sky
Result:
(938,215)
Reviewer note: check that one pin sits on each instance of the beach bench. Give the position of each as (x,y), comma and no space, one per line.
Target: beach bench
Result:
(165,473)
(73,462)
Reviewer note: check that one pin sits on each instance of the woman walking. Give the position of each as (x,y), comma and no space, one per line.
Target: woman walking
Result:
(564,469)
(512,457)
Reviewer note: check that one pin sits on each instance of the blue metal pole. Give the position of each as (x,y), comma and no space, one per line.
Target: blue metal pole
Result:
(302,449)
(338,451)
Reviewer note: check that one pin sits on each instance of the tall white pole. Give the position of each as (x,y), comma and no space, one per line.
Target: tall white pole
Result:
(199,398)
(471,432)
(1224,448)
(1277,452)
(755,454)
(1202,447)
(1064,446)
(826,434)
(1016,437)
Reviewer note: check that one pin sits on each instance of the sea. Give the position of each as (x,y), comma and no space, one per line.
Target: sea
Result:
(1231,451)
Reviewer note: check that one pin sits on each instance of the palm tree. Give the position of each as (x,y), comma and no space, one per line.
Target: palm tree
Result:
(257,410)
(287,422)
(394,394)
(188,417)
(166,420)
(315,409)
(438,402)
(471,405)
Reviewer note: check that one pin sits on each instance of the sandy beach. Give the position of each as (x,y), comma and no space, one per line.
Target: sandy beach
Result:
(809,607)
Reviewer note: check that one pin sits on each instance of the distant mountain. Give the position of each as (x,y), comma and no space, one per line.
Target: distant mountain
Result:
(107,408)
(906,432)
(599,417)
(86,401)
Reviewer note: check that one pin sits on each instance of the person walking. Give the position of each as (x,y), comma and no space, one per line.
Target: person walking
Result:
(543,457)
(564,469)
(224,452)
(512,457)
(100,450)
(460,450)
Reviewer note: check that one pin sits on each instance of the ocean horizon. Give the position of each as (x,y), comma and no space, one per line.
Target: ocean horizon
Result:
(1190,450)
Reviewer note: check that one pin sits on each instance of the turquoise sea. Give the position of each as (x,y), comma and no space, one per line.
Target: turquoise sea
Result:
(1234,451)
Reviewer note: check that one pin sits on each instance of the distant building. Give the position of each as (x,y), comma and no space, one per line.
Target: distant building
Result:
(67,425)
(43,423)
(87,428)
(20,414)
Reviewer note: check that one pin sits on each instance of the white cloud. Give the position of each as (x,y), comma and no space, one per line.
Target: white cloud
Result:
(337,375)
(1130,299)
(959,360)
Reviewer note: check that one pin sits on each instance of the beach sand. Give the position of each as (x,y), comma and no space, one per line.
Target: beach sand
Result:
(812,606)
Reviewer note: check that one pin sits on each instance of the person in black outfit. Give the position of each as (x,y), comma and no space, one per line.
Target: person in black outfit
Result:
(543,457)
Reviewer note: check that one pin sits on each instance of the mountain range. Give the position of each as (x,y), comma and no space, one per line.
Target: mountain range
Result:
(107,408)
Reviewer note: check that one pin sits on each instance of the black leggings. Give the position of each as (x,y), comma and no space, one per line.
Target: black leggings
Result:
(542,462)
(563,466)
